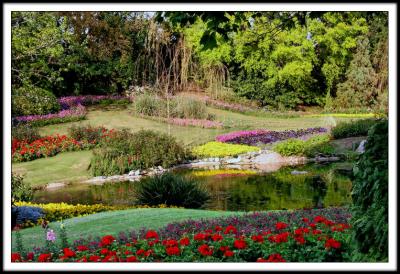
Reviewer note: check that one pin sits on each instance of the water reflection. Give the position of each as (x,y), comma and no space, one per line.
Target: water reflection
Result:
(322,186)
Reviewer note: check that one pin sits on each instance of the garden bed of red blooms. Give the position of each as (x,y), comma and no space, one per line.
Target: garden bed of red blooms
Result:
(22,150)
(311,238)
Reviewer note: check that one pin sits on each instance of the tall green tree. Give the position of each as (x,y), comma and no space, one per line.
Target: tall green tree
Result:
(37,45)
(359,90)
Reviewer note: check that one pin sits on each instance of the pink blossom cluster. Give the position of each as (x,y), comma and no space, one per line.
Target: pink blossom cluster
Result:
(78,111)
(195,122)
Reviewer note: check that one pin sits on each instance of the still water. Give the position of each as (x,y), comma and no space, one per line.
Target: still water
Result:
(313,186)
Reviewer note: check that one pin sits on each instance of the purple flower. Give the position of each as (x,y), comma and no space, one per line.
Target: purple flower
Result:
(50,235)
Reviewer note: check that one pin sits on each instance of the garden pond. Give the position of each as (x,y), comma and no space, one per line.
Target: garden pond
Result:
(305,186)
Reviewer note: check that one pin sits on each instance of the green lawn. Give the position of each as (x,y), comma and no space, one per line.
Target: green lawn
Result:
(67,166)
(114,222)
(73,166)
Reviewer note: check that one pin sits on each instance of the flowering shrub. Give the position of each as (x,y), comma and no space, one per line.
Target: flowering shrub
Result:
(222,172)
(253,137)
(218,149)
(51,145)
(309,240)
(67,115)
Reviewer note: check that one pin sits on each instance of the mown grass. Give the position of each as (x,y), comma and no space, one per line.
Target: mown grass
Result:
(113,222)
(67,166)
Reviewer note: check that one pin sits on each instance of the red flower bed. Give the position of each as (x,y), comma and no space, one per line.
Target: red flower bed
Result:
(48,146)
(287,244)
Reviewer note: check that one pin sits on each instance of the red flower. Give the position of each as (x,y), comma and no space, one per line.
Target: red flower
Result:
(68,253)
(208,231)
(107,240)
(44,257)
(199,237)
(140,252)
(224,248)
(148,253)
(262,260)
(104,251)
(316,231)
(279,238)
(170,243)
(205,250)
(217,237)
(275,258)
(319,219)
(306,220)
(82,248)
(94,258)
(127,252)
(229,253)
(312,225)
(240,244)
(257,238)
(332,243)
(174,250)
(300,239)
(280,225)
(30,256)
(131,259)
(184,241)
(151,234)
(218,228)
(16,257)
(230,229)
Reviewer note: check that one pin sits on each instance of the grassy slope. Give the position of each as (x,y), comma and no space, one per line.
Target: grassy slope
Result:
(114,222)
(67,166)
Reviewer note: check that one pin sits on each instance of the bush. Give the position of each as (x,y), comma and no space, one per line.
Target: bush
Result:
(310,147)
(186,107)
(149,105)
(218,149)
(29,215)
(290,147)
(370,195)
(20,190)
(33,101)
(25,133)
(143,149)
(171,190)
(87,133)
(353,128)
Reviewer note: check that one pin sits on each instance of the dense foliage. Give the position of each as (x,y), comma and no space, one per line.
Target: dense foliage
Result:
(352,128)
(308,147)
(171,189)
(20,190)
(32,100)
(130,151)
(370,195)
(281,60)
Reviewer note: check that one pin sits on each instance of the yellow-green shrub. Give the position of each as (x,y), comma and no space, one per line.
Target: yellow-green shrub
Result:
(218,149)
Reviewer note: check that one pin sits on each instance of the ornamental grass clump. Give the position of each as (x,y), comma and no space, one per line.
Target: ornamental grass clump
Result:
(218,149)
(171,189)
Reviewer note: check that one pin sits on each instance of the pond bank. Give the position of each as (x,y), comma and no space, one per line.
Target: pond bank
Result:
(261,161)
